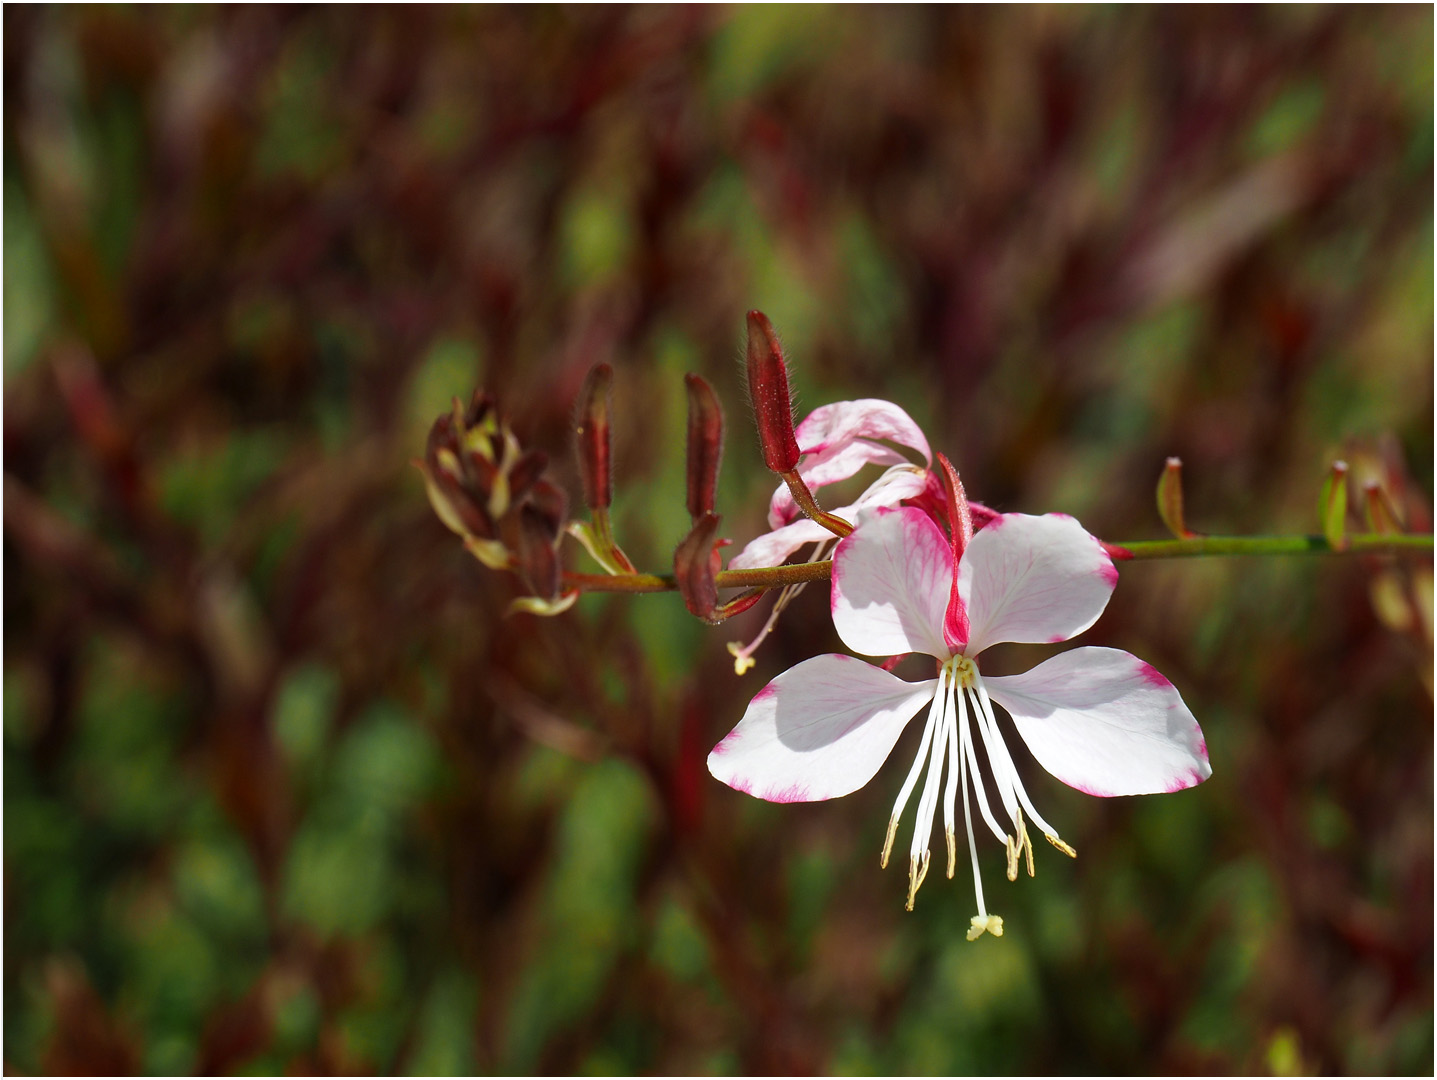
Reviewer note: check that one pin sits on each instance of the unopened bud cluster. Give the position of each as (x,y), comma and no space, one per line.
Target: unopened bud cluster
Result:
(493,494)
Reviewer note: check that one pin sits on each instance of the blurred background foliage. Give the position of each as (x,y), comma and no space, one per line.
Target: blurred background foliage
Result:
(285,791)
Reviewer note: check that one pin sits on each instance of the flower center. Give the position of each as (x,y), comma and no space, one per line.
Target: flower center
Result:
(961,672)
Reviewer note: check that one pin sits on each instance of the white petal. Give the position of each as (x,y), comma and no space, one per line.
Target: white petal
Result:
(1104,722)
(772,548)
(891,578)
(836,441)
(1032,579)
(818,731)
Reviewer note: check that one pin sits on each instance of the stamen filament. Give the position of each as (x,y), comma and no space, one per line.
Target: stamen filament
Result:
(907,790)
(1018,789)
(963,738)
(950,790)
(970,749)
(1003,772)
(928,803)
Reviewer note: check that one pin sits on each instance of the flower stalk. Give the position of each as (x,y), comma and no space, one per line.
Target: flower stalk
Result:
(777,577)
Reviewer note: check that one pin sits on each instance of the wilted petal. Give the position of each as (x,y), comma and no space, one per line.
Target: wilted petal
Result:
(890,585)
(836,440)
(818,731)
(1104,722)
(1033,579)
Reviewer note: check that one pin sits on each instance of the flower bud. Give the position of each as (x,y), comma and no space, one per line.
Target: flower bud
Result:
(592,441)
(705,445)
(960,518)
(1333,506)
(1381,514)
(538,561)
(526,472)
(696,564)
(1170,499)
(768,390)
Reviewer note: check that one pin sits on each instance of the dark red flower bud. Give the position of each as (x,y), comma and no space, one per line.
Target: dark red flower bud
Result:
(525,472)
(551,504)
(696,564)
(593,437)
(768,390)
(705,451)
(538,562)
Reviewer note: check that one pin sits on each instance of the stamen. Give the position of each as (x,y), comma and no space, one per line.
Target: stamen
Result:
(913,881)
(928,802)
(1003,774)
(1018,789)
(907,789)
(981,794)
(950,791)
(1027,843)
(1057,843)
(963,755)
(1013,850)
(923,827)
(888,842)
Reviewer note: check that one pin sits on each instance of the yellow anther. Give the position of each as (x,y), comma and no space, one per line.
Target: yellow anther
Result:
(1013,849)
(993,924)
(888,843)
(1064,848)
(952,853)
(917,871)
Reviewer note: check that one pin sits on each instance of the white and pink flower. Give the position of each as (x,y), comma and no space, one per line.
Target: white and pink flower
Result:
(1098,719)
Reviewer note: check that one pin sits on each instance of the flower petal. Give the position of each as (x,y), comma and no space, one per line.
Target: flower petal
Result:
(837,441)
(818,731)
(1032,579)
(890,584)
(772,548)
(1104,722)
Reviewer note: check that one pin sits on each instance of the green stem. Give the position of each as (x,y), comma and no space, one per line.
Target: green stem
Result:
(775,577)
(1366,544)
